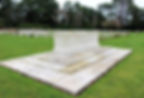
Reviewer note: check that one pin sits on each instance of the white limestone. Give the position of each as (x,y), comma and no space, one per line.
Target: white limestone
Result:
(75,41)
(76,62)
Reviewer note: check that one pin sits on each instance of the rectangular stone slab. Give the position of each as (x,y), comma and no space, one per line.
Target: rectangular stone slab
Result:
(74,75)
(75,41)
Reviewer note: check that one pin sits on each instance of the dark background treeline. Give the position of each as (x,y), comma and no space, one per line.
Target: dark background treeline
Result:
(121,14)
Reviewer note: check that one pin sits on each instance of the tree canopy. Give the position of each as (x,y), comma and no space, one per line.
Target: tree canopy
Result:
(46,13)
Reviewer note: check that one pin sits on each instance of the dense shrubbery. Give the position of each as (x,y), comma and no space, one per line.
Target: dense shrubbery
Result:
(46,13)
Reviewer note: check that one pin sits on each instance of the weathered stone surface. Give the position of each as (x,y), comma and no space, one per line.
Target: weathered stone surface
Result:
(75,63)
(75,41)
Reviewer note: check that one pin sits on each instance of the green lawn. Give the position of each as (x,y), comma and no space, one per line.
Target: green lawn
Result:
(126,80)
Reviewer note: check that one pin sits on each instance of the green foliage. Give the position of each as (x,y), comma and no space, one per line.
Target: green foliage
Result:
(79,16)
(121,14)
(33,11)
(41,11)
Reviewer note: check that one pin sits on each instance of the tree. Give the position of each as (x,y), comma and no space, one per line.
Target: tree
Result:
(119,14)
(79,16)
(41,11)
(89,17)
(12,13)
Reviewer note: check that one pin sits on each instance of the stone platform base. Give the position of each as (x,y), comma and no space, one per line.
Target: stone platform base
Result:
(71,72)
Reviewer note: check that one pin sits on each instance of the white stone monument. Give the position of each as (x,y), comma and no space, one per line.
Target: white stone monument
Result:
(75,42)
(76,61)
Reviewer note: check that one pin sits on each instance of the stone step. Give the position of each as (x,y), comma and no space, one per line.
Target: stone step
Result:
(96,58)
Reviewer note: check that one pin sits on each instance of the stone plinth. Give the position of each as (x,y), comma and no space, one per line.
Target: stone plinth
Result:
(74,42)
(77,61)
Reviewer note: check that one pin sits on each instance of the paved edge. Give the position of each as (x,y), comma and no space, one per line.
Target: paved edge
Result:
(56,87)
